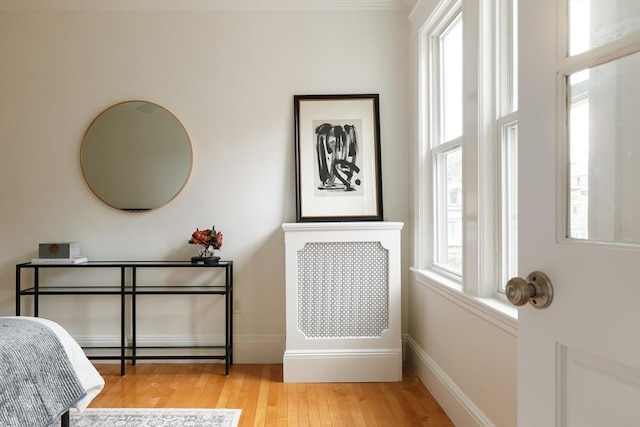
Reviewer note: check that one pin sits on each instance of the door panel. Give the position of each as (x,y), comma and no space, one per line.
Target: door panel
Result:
(579,359)
(609,389)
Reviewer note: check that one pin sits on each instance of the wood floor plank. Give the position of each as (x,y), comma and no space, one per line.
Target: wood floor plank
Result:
(231,389)
(273,395)
(303,404)
(355,401)
(249,393)
(312,405)
(333,397)
(292,405)
(262,398)
(266,400)
(323,404)
(283,401)
(402,412)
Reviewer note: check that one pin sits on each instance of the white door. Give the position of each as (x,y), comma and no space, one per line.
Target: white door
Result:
(579,359)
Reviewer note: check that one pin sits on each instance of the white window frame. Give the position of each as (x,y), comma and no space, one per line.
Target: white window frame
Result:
(506,119)
(432,132)
(481,146)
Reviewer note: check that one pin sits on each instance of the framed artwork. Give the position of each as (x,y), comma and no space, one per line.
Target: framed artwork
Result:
(337,151)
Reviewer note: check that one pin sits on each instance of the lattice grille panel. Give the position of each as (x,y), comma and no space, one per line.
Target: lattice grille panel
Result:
(343,289)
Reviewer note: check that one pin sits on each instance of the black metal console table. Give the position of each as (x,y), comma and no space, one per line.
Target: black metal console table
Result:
(129,289)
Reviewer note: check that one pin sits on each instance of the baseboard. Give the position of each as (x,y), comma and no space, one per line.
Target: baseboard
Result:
(250,349)
(258,348)
(342,366)
(459,408)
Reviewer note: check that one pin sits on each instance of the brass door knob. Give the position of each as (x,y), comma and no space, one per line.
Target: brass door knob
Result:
(537,290)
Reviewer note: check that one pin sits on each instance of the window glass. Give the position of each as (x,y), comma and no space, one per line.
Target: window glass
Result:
(452,80)
(604,152)
(594,23)
(506,78)
(509,261)
(449,210)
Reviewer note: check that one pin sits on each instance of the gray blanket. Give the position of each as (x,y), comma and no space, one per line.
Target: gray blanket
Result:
(37,381)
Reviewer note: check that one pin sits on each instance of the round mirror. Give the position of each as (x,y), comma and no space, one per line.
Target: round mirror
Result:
(136,156)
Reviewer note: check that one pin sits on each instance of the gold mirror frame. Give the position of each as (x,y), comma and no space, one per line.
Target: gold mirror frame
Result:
(136,156)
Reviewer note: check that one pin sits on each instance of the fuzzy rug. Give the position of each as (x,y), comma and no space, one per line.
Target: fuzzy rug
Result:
(135,417)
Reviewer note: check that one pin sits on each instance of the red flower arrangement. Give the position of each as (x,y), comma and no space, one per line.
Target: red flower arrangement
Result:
(209,239)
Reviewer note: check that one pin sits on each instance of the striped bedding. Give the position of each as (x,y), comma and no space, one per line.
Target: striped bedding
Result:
(43,373)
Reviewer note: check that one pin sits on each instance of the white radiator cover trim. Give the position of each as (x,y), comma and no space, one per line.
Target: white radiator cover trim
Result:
(348,359)
(342,366)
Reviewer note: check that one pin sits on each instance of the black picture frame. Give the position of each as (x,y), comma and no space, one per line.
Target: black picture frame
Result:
(338,160)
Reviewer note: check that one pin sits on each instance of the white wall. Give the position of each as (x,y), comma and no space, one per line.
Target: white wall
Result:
(464,352)
(230,77)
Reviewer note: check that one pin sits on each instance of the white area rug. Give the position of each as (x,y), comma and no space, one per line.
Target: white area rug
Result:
(134,417)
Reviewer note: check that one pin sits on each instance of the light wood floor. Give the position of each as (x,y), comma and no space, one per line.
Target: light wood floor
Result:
(265,400)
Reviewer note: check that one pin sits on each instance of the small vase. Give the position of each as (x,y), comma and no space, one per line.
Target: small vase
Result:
(205,252)
(205,256)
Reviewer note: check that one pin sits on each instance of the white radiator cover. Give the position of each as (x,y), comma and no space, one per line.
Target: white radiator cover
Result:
(343,302)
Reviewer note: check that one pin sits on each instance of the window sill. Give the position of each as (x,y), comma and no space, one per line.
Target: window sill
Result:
(494,310)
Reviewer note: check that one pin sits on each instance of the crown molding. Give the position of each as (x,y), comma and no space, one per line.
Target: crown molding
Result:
(206,4)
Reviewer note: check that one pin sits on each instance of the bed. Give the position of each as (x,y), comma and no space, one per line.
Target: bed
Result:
(43,373)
